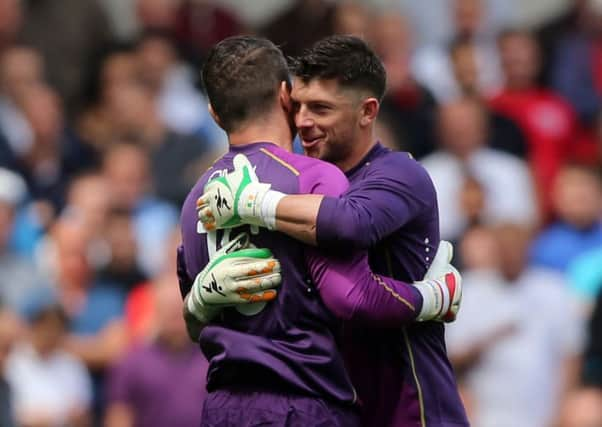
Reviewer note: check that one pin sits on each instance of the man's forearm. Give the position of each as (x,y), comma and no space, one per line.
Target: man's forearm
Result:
(296,216)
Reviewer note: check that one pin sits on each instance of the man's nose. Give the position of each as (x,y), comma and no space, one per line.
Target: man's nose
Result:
(303,119)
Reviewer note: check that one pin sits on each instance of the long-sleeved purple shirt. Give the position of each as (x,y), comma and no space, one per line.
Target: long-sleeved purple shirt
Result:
(402,374)
(292,342)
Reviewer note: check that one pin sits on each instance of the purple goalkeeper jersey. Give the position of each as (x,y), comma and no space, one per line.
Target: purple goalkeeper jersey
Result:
(403,375)
(291,345)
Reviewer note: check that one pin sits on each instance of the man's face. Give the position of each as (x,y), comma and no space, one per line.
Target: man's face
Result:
(327,118)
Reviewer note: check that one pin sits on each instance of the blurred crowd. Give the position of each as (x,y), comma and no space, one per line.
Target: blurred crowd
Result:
(104,127)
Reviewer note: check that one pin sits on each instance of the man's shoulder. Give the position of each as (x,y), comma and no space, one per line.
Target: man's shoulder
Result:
(314,175)
(401,166)
(302,163)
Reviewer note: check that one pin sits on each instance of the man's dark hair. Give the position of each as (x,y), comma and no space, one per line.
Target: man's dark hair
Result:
(242,76)
(347,59)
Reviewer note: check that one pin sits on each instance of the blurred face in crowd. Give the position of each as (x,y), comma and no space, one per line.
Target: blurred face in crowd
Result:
(131,108)
(577,197)
(328,119)
(42,107)
(71,255)
(157,13)
(10,19)
(480,249)
(47,330)
(119,234)
(514,241)
(169,320)
(20,68)
(464,67)
(88,198)
(352,18)
(126,170)
(156,57)
(10,329)
(6,224)
(462,126)
(118,70)
(468,16)
(520,60)
(393,41)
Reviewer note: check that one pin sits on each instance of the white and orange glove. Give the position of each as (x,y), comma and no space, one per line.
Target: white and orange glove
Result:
(238,198)
(235,275)
(441,288)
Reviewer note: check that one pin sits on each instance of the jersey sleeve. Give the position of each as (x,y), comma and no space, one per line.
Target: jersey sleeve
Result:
(389,197)
(347,285)
(353,292)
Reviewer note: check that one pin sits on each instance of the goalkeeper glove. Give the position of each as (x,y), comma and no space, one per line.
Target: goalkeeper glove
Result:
(238,198)
(441,288)
(234,276)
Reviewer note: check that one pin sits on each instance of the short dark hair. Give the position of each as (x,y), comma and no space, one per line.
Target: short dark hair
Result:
(242,75)
(347,59)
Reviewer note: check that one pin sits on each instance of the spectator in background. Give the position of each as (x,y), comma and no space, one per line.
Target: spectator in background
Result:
(301,25)
(584,407)
(51,387)
(67,33)
(547,121)
(55,155)
(10,331)
(577,207)
(160,381)
(432,65)
(505,181)
(576,70)
(121,270)
(551,32)
(517,366)
(21,67)
(126,169)
(18,275)
(408,108)
(114,66)
(505,135)
(202,23)
(354,19)
(11,19)
(179,104)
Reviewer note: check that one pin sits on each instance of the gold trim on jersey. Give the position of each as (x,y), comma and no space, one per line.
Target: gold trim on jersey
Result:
(279,160)
(392,292)
(409,350)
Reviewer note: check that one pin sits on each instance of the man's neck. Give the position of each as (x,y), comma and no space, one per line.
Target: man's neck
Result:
(355,156)
(275,131)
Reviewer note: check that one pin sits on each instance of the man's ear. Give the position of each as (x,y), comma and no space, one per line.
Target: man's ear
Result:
(284,95)
(214,115)
(369,111)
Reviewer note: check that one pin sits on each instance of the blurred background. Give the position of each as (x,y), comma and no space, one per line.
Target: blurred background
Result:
(104,128)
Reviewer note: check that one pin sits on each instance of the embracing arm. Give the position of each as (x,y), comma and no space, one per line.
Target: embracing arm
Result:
(353,292)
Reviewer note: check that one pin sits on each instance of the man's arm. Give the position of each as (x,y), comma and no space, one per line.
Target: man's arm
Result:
(386,200)
(353,292)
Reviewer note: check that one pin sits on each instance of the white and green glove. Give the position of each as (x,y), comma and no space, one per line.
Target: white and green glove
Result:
(238,198)
(441,288)
(234,276)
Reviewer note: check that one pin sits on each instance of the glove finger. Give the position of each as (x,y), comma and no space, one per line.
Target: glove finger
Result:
(441,261)
(203,201)
(260,283)
(251,269)
(206,216)
(242,163)
(260,296)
